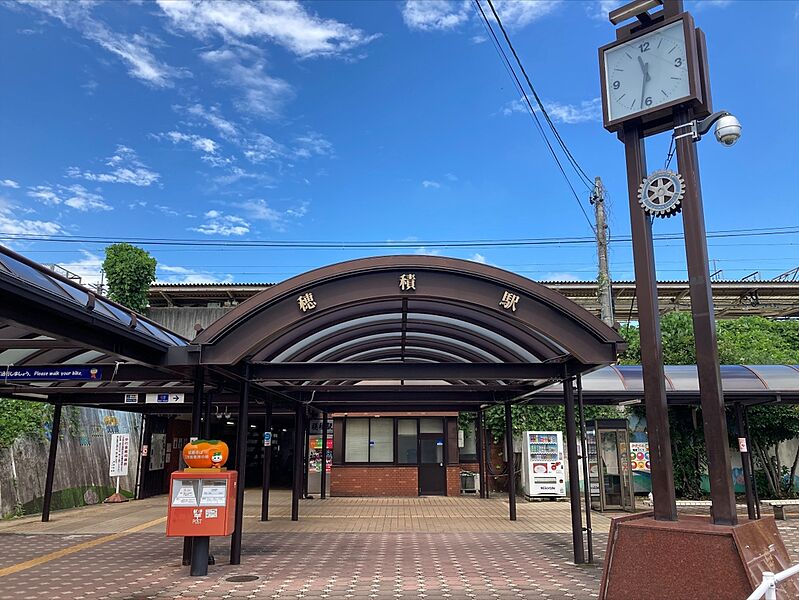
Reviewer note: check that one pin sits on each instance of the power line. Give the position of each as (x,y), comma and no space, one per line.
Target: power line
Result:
(587,181)
(335,245)
(520,88)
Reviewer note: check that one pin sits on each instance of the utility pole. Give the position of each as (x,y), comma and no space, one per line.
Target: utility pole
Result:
(603,280)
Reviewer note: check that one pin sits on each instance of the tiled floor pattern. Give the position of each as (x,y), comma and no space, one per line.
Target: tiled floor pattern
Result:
(326,565)
(341,548)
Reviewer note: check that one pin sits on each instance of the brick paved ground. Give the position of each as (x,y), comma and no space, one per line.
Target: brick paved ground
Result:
(291,561)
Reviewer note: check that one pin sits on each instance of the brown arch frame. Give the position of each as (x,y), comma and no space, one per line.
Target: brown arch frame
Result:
(547,324)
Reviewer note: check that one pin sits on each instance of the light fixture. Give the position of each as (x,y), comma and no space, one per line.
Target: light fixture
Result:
(230,423)
(630,402)
(252,426)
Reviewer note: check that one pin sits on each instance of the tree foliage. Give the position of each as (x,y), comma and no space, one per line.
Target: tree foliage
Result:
(746,340)
(21,417)
(129,271)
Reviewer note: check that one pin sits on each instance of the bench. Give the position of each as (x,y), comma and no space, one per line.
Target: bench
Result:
(779,507)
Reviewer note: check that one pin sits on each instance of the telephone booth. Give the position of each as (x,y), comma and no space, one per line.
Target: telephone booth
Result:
(609,467)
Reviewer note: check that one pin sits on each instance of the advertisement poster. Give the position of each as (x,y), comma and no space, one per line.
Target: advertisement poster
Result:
(639,456)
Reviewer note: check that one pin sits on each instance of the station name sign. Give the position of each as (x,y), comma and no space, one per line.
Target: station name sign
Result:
(51,374)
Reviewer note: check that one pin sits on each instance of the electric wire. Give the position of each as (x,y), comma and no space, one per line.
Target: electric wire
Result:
(520,88)
(580,172)
(345,245)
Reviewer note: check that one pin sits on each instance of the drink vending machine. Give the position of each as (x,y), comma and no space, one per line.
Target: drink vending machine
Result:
(543,473)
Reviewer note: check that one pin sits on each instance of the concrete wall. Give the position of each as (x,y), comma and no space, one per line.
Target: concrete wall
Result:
(181,320)
(82,462)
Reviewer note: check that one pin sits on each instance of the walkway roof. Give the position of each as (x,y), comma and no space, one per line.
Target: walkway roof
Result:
(464,335)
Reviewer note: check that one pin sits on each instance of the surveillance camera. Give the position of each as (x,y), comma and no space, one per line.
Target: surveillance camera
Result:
(728,130)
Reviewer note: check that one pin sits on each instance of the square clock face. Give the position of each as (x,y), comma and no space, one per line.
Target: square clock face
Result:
(646,72)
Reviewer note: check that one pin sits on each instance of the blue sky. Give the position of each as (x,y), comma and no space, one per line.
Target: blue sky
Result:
(362,121)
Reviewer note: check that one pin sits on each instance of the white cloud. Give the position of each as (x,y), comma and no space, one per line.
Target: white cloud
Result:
(587,110)
(208,147)
(599,10)
(286,23)
(199,143)
(11,224)
(435,15)
(448,15)
(170,274)
(127,168)
(74,196)
(312,144)
(259,209)
(260,148)
(10,183)
(516,14)
(134,50)
(478,258)
(427,183)
(244,68)
(88,267)
(422,251)
(227,129)
(218,223)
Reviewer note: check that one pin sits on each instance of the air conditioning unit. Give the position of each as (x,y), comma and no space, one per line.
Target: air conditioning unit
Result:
(470,482)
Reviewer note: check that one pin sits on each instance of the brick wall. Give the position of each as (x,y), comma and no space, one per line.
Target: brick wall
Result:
(453,480)
(374,481)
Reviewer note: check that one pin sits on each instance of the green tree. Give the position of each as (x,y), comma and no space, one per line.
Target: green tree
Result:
(21,417)
(129,271)
(746,340)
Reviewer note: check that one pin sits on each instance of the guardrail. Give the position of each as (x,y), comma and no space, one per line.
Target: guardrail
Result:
(768,587)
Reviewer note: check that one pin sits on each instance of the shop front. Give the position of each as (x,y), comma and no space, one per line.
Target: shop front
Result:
(399,454)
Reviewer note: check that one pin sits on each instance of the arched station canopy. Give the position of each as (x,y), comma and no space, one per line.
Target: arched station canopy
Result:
(376,325)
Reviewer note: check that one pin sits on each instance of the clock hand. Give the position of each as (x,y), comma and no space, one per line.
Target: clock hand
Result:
(645,71)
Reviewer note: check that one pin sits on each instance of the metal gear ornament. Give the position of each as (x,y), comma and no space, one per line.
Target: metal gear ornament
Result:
(661,193)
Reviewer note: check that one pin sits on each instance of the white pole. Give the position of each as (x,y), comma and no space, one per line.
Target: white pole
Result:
(117,484)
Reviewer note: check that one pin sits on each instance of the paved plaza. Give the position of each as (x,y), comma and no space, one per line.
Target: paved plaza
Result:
(429,548)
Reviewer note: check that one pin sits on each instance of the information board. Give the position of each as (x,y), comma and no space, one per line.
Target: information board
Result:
(120,447)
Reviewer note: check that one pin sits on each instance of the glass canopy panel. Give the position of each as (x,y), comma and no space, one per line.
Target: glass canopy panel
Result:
(332,330)
(607,379)
(631,376)
(83,357)
(681,378)
(477,330)
(34,277)
(739,378)
(782,378)
(13,357)
(77,294)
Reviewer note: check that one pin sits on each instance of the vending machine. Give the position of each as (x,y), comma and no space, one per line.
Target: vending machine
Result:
(316,455)
(543,473)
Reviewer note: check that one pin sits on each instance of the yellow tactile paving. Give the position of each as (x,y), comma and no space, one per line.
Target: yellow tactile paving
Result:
(39,560)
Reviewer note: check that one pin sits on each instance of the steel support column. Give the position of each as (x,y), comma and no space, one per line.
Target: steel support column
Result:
(267,466)
(574,472)
(662,470)
(296,488)
(241,462)
(207,402)
(478,430)
(196,412)
(306,454)
(55,431)
(323,490)
(586,477)
(486,457)
(714,418)
(750,496)
(509,457)
(751,462)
